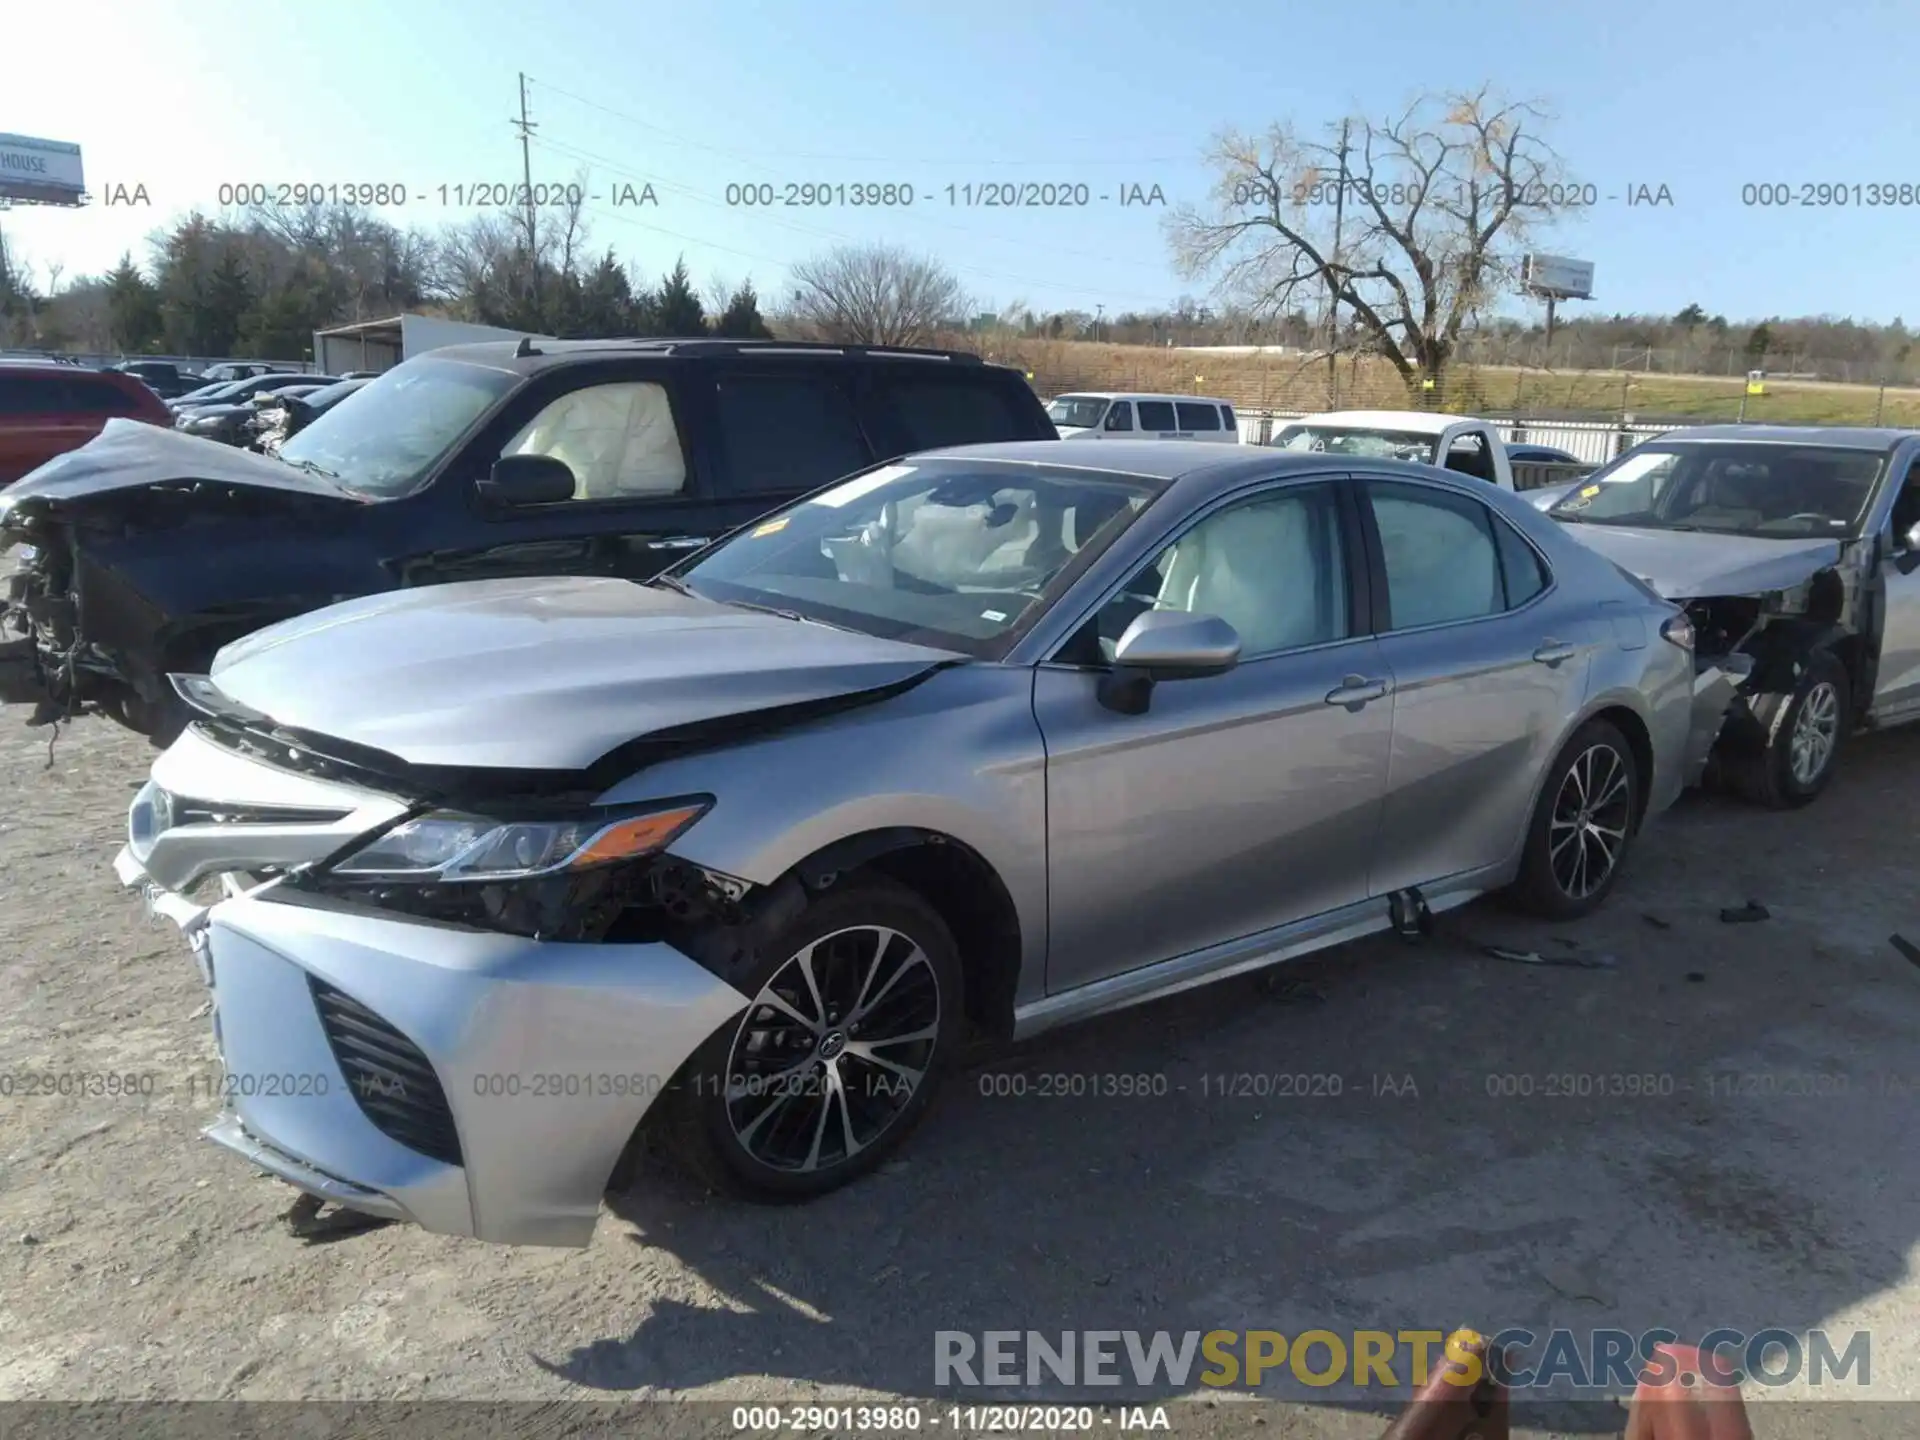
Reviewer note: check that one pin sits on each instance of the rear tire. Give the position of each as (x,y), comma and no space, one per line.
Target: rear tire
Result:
(1801,735)
(1583,826)
(812,1086)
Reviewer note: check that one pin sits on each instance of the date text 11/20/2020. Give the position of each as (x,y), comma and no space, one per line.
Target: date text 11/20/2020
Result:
(972,195)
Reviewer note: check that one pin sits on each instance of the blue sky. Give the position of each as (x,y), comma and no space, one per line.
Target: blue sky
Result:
(1701,96)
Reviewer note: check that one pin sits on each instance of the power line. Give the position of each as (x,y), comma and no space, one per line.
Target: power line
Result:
(676,138)
(835,235)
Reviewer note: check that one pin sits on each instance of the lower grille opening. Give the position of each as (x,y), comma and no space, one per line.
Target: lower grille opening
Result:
(392,1082)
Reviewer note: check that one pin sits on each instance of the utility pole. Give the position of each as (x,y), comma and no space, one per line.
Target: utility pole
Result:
(1333,290)
(526,128)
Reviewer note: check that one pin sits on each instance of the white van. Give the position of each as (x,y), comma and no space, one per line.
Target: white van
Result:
(1097,415)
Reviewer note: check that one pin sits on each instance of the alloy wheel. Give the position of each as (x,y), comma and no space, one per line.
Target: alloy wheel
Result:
(833,1048)
(1591,815)
(1815,729)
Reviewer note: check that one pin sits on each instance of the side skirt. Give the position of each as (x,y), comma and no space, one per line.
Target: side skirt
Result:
(1251,952)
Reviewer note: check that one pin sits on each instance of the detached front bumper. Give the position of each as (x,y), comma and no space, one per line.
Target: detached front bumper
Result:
(1716,686)
(474,1084)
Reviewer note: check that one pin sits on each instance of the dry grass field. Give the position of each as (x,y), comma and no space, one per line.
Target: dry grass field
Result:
(1290,383)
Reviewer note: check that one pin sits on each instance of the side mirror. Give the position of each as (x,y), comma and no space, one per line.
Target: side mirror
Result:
(1166,645)
(527,480)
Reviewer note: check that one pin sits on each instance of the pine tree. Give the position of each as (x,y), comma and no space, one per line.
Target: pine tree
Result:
(680,315)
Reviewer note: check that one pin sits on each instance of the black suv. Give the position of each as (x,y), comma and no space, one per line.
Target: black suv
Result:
(143,552)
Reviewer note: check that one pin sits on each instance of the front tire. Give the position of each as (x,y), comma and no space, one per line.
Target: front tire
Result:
(1801,733)
(857,1013)
(1583,825)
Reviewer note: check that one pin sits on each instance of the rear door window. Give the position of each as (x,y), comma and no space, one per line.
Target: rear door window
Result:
(1226,418)
(930,411)
(786,432)
(1195,416)
(97,397)
(29,394)
(1157,415)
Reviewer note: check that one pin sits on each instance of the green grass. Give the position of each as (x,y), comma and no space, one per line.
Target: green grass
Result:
(1266,382)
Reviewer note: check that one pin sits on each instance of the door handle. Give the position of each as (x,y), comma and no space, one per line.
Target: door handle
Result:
(1356,691)
(1552,652)
(679,542)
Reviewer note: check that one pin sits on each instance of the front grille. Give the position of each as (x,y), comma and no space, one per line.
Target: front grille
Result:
(391,1081)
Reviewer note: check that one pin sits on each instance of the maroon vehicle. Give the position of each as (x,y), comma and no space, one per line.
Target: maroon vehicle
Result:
(47,410)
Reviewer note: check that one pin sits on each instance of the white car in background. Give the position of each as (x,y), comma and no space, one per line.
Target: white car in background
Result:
(1111,415)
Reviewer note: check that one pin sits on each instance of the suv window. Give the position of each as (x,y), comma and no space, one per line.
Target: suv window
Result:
(1120,417)
(1198,417)
(1442,561)
(933,411)
(96,397)
(1906,504)
(1157,415)
(1226,418)
(1271,567)
(28,394)
(619,440)
(786,432)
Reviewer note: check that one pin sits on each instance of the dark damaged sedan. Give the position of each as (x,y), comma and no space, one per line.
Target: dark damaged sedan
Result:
(145,551)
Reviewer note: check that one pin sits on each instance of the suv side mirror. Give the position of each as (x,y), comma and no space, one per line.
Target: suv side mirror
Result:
(527,480)
(1166,645)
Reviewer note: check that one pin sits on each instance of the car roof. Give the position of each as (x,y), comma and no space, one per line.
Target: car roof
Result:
(1840,437)
(1139,395)
(1412,422)
(1163,460)
(549,354)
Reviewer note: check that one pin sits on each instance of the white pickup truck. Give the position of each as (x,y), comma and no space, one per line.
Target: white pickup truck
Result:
(1453,442)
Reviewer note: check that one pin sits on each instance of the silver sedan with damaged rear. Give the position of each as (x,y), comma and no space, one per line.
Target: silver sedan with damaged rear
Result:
(516,877)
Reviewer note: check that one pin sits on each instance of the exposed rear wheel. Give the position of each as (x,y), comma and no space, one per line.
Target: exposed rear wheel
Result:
(1582,826)
(856,1014)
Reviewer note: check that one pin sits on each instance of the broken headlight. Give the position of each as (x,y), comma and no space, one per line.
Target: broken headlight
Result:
(450,847)
(558,877)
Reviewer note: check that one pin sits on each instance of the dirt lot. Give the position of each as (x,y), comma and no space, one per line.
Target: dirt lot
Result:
(1770,1180)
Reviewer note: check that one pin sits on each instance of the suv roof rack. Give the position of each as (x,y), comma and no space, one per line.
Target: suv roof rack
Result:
(765,347)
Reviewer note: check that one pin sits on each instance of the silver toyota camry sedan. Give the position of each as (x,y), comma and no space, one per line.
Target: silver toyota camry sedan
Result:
(494,882)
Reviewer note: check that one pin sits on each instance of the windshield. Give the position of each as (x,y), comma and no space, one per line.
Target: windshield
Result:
(1374,444)
(1757,488)
(399,426)
(1083,411)
(961,555)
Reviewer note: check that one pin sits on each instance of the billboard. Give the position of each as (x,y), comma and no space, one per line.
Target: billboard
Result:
(1557,277)
(42,172)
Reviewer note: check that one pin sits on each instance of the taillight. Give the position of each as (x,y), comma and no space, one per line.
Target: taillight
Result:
(1678,630)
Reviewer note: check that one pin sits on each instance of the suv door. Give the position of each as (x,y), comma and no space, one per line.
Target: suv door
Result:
(1896,693)
(1236,803)
(777,431)
(640,499)
(1488,662)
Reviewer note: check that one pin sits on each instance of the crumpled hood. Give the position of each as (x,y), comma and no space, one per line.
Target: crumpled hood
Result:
(128,454)
(1688,565)
(542,673)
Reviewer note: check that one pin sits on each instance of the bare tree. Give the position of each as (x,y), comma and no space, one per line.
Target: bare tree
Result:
(1405,228)
(874,295)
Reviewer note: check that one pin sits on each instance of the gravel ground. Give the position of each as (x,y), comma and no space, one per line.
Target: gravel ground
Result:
(1772,1182)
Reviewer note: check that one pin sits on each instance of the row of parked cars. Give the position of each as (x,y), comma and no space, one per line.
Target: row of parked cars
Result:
(591,745)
